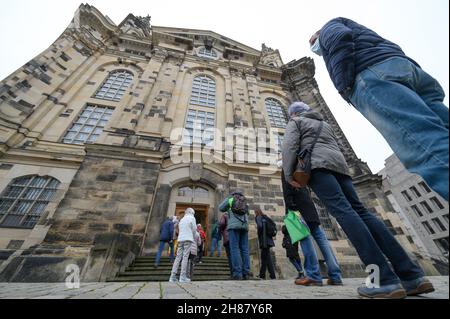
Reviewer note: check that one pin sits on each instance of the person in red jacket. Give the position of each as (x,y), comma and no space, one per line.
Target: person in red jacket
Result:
(201,248)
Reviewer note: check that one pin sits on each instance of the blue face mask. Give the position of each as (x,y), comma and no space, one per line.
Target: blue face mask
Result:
(316,47)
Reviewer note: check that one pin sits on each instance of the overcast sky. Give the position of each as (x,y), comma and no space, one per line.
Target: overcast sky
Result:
(420,27)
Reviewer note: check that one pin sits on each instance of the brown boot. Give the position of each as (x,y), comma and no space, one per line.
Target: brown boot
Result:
(307,282)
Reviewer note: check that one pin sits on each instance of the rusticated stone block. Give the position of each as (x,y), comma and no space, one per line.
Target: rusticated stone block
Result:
(123,228)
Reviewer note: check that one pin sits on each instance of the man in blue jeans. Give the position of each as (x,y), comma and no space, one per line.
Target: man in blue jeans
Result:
(237,227)
(390,89)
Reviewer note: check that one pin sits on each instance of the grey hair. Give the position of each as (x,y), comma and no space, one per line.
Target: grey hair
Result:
(190,211)
(298,107)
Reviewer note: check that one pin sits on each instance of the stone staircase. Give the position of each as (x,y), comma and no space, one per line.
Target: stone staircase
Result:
(142,269)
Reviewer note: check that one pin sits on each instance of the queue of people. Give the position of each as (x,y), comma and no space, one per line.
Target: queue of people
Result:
(405,104)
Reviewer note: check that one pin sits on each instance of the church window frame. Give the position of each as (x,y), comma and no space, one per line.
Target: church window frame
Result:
(89,125)
(115,85)
(25,199)
(276,113)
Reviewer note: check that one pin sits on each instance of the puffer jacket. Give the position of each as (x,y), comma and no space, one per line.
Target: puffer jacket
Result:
(187,228)
(349,48)
(300,133)
(235,221)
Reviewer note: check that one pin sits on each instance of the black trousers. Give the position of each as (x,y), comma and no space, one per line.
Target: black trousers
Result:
(266,263)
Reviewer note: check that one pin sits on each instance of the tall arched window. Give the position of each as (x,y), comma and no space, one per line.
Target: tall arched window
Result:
(203,91)
(24,200)
(115,86)
(276,113)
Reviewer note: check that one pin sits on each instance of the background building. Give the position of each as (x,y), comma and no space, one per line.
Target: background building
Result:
(423,209)
(86,175)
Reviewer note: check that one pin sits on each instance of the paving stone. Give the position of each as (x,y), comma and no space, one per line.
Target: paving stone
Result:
(274,289)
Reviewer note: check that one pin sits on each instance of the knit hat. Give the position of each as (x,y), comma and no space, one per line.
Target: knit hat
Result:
(298,107)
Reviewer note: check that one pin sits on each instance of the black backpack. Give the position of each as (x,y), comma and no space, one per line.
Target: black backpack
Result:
(238,204)
(271,227)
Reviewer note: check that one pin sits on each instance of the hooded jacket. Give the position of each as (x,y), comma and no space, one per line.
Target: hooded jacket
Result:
(300,133)
(187,227)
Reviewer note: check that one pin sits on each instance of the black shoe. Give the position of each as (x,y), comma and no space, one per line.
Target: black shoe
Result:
(261,277)
(245,277)
(301,275)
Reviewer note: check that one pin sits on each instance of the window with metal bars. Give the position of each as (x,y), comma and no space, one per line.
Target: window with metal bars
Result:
(199,128)
(25,199)
(89,125)
(115,86)
(203,91)
(276,114)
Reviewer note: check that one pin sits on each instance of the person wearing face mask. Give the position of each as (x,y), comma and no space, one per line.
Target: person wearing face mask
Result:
(331,181)
(392,91)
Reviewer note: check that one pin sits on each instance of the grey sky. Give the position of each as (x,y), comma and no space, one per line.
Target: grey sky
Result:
(420,27)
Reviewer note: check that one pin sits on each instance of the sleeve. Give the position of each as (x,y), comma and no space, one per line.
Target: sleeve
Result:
(223,207)
(291,145)
(171,229)
(336,38)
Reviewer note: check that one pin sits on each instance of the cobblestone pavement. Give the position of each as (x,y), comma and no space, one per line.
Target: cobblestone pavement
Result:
(273,289)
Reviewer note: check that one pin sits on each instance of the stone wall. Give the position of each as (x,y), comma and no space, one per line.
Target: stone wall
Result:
(106,195)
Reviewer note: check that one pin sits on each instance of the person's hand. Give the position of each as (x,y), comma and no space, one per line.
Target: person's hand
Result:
(294,184)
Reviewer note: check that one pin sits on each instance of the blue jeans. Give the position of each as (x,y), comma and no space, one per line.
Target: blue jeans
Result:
(227,251)
(311,262)
(334,272)
(297,264)
(215,243)
(160,250)
(370,237)
(240,259)
(405,104)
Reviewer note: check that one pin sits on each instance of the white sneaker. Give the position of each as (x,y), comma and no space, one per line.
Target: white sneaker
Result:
(185,280)
(173,279)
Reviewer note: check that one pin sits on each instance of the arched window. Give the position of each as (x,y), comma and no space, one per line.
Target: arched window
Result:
(193,191)
(115,86)
(203,91)
(205,53)
(24,200)
(89,125)
(276,113)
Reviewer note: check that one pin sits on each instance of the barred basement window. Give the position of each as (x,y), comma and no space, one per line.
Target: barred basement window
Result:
(89,125)
(425,187)
(276,114)
(25,199)
(199,128)
(436,203)
(203,91)
(437,222)
(115,86)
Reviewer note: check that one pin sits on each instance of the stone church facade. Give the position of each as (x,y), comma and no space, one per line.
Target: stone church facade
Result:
(87,170)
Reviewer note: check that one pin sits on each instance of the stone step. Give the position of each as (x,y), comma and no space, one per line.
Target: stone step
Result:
(169,267)
(162,272)
(166,263)
(206,259)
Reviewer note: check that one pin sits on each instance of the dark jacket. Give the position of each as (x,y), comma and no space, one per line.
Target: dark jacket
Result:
(291,249)
(299,199)
(265,241)
(223,223)
(166,233)
(349,48)
(300,133)
(215,233)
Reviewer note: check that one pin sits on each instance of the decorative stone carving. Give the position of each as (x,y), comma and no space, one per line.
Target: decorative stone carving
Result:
(195,171)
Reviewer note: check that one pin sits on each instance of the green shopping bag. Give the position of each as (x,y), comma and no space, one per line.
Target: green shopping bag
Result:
(297,228)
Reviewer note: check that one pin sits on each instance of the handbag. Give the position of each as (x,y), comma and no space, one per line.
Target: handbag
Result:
(296,226)
(302,172)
